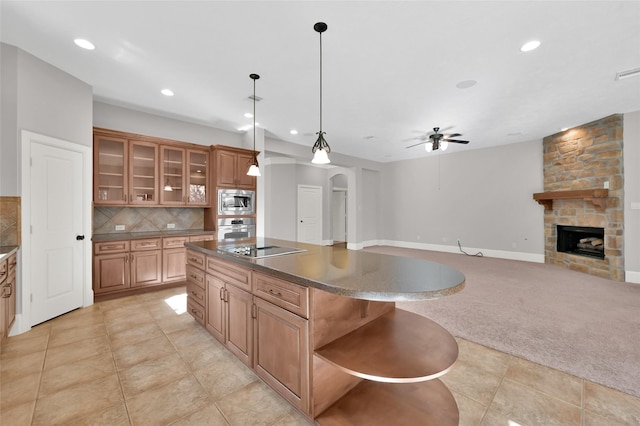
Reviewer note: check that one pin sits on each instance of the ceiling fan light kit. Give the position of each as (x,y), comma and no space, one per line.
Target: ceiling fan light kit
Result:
(321,148)
(437,140)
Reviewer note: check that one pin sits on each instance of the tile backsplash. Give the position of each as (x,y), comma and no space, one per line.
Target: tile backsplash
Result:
(145,219)
(9,221)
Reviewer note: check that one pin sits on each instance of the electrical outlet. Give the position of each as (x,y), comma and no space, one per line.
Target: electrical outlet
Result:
(119,227)
(606,185)
(171,225)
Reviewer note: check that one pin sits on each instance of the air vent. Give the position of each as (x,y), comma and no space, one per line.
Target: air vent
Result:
(629,73)
(256,98)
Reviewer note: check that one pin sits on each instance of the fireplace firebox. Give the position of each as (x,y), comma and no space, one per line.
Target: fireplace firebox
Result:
(581,240)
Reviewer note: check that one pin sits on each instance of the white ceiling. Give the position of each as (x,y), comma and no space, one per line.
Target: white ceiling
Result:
(390,68)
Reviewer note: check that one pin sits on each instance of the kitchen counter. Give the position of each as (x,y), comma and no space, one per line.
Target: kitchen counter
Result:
(6,251)
(351,273)
(98,238)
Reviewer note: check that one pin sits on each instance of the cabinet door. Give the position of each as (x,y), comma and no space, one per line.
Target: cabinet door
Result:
(174,265)
(282,352)
(197,178)
(239,323)
(215,315)
(111,272)
(146,268)
(243,180)
(226,169)
(110,171)
(143,181)
(172,176)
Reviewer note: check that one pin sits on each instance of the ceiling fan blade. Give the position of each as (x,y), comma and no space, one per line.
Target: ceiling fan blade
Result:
(454,141)
(411,146)
(453,135)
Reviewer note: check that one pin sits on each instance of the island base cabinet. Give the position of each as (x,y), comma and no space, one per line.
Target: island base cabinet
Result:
(215,307)
(281,354)
(239,323)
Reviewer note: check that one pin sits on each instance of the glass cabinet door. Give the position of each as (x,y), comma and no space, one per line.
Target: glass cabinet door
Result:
(197,178)
(172,176)
(144,173)
(110,171)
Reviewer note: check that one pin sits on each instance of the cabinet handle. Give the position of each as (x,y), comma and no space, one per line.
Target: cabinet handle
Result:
(10,291)
(254,314)
(226,295)
(126,258)
(3,273)
(275,293)
(5,295)
(131,257)
(221,294)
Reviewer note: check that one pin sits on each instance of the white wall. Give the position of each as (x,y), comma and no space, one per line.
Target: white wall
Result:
(280,195)
(128,120)
(631,154)
(482,197)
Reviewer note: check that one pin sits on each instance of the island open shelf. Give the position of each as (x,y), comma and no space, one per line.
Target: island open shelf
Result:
(372,403)
(397,347)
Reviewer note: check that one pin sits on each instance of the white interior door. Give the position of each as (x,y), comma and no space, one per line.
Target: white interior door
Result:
(339,216)
(56,254)
(310,214)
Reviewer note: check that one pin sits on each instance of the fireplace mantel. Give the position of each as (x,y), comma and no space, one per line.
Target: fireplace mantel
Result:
(598,197)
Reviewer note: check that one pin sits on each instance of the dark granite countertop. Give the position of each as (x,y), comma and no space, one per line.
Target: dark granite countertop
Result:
(352,273)
(97,238)
(6,251)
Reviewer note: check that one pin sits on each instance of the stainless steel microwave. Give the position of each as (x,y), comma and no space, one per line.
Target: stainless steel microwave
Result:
(236,202)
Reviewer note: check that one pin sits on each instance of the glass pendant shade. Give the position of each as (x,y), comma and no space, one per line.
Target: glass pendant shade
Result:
(428,147)
(254,170)
(444,145)
(320,157)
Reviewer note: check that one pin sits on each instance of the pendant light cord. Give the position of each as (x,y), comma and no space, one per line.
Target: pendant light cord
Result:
(320,83)
(254,117)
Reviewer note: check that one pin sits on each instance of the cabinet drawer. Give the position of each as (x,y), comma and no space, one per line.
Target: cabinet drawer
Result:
(196,311)
(174,242)
(111,247)
(291,297)
(195,293)
(4,270)
(195,276)
(229,272)
(196,259)
(205,237)
(146,244)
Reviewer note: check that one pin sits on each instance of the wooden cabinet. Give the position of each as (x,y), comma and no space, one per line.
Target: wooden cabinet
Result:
(281,352)
(120,265)
(111,268)
(7,295)
(143,173)
(232,166)
(139,170)
(110,170)
(184,175)
(146,262)
(229,307)
(125,172)
(174,259)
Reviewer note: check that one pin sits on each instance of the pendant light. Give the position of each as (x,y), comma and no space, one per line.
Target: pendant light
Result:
(254,169)
(321,148)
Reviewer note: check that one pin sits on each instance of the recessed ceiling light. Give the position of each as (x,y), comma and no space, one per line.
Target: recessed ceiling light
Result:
(167,92)
(466,84)
(248,115)
(514,134)
(530,45)
(368,137)
(85,44)
(293,131)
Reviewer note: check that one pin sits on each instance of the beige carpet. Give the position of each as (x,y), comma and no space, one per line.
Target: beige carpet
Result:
(574,322)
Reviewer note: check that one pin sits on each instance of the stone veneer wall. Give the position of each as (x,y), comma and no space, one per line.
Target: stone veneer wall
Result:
(9,221)
(586,157)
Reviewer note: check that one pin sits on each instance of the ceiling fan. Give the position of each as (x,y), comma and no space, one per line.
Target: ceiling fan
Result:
(437,140)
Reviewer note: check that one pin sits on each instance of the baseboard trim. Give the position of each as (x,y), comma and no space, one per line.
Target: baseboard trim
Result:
(632,277)
(499,254)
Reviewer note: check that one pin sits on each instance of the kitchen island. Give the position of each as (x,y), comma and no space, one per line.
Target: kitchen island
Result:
(320,326)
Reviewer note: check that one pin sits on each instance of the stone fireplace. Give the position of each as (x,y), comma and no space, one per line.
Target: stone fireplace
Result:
(583,189)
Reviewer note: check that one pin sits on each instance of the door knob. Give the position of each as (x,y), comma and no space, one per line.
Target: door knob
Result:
(79,237)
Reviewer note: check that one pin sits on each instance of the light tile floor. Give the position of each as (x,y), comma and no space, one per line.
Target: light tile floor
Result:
(141,360)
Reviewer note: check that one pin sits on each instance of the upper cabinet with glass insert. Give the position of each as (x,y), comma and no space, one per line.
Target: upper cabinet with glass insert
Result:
(145,171)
